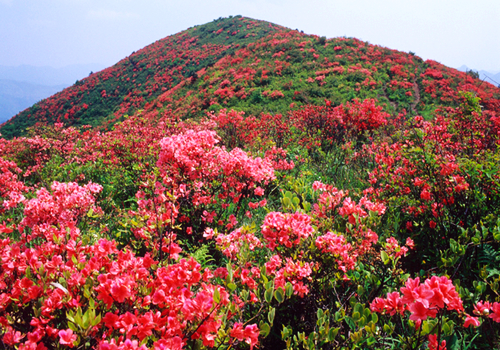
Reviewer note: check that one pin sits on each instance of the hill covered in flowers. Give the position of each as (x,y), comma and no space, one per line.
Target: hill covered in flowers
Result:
(241,185)
(252,66)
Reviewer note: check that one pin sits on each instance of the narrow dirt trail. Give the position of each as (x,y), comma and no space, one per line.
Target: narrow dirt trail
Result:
(416,90)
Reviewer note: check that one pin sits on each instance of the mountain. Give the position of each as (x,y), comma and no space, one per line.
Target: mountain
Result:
(131,83)
(16,96)
(48,76)
(23,86)
(490,77)
(252,66)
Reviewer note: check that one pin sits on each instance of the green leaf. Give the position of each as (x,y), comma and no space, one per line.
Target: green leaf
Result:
(286,202)
(361,290)
(289,289)
(332,334)
(231,286)
(279,294)
(216,295)
(96,320)
(385,258)
(79,318)
(229,272)
(306,206)
(271,314)
(358,308)
(69,316)
(350,323)
(85,319)
(496,236)
(268,295)
(319,314)
(269,285)
(285,333)
(264,329)
(310,342)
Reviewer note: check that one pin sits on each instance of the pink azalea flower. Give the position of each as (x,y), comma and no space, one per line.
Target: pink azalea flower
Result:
(469,320)
(67,337)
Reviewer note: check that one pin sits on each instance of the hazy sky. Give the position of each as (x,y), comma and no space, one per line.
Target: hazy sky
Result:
(63,32)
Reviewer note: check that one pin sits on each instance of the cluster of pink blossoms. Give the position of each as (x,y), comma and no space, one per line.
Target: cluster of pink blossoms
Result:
(393,248)
(337,246)
(490,310)
(423,300)
(66,203)
(295,272)
(286,229)
(231,244)
(11,190)
(195,154)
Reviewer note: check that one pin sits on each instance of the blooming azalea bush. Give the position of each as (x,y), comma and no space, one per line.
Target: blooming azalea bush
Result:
(70,293)
(162,235)
(11,192)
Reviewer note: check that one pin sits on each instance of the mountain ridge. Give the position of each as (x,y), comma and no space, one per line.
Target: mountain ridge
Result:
(16,96)
(47,75)
(266,68)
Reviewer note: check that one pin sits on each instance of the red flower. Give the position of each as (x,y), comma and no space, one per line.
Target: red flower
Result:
(67,337)
(495,309)
(12,337)
(250,334)
(420,312)
(433,345)
(469,320)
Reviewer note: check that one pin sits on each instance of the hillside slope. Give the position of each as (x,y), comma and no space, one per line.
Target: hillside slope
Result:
(253,66)
(15,96)
(127,86)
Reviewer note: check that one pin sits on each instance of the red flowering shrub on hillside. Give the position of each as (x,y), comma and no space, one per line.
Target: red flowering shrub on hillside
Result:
(11,189)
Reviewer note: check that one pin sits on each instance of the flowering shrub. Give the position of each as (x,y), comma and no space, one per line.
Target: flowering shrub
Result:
(11,188)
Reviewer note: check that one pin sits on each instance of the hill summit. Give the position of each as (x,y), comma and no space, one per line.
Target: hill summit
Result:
(252,66)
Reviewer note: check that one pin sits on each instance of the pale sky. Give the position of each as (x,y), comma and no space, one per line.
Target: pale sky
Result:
(63,32)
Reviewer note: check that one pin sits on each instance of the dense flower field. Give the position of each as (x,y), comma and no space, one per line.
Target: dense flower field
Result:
(162,234)
(362,218)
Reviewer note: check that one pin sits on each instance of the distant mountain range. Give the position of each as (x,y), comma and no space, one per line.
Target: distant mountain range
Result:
(490,77)
(16,96)
(23,86)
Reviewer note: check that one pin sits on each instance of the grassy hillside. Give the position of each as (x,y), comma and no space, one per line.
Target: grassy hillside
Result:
(106,96)
(256,67)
